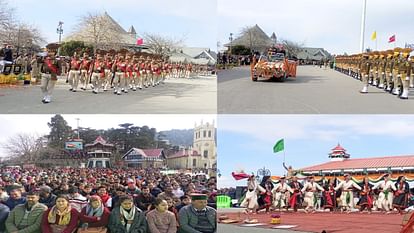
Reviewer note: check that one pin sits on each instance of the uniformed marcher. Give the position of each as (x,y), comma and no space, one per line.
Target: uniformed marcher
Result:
(74,72)
(404,72)
(365,69)
(50,69)
(98,72)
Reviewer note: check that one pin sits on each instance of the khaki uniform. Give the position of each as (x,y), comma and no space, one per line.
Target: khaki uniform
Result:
(50,69)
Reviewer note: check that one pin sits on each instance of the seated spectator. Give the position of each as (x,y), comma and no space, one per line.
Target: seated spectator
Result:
(76,200)
(4,213)
(185,200)
(127,218)
(177,190)
(144,200)
(3,194)
(105,197)
(61,218)
(15,197)
(27,217)
(131,188)
(95,215)
(47,197)
(160,220)
(198,217)
(168,192)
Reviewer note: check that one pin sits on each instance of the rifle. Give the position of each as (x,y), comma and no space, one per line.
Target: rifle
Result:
(93,66)
(67,76)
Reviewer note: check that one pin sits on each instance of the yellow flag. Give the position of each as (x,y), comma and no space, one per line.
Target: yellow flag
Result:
(374,35)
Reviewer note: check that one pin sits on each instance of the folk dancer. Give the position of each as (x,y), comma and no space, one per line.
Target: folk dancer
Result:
(400,201)
(265,199)
(347,195)
(366,199)
(310,188)
(329,195)
(281,193)
(250,199)
(295,200)
(385,198)
(50,69)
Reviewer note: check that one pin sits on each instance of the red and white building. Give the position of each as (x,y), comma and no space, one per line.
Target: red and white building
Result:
(341,163)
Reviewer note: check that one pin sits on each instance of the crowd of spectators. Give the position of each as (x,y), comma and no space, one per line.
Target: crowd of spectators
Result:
(102,200)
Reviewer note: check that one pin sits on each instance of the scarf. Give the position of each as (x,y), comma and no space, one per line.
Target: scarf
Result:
(90,211)
(105,198)
(64,216)
(127,217)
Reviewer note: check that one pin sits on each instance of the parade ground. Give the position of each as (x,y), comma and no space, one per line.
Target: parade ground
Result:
(301,222)
(314,91)
(182,95)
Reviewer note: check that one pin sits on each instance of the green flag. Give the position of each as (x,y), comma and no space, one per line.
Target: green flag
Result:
(279,146)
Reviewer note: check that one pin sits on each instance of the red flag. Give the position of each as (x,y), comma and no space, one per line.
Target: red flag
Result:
(391,39)
(240,176)
(140,41)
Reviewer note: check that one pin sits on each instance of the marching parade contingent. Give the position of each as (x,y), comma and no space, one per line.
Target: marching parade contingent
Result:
(105,200)
(120,70)
(330,195)
(390,70)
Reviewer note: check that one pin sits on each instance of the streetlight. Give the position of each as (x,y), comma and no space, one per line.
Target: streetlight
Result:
(59,31)
(231,41)
(77,120)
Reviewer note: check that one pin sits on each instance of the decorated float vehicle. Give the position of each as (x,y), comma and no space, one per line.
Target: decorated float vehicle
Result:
(274,65)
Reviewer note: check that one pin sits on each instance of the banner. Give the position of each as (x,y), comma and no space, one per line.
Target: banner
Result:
(74,145)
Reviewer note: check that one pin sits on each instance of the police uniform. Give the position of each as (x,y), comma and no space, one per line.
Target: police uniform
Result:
(84,74)
(50,69)
(365,69)
(405,68)
(396,72)
(119,68)
(74,72)
(97,70)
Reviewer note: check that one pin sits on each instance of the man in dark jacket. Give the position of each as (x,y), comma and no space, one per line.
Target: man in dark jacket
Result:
(145,199)
(198,217)
(47,197)
(15,197)
(4,212)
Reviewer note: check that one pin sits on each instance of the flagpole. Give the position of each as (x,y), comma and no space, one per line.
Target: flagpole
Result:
(364,9)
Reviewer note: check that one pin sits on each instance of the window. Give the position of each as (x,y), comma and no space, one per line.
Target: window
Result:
(204,133)
(194,162)
(205,154)
(90,164)
(107,164)
(98,164)
(209,133)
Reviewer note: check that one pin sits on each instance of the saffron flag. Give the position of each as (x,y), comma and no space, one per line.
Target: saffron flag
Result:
(279,146)
(240,176)
(374,35)
(140,41)
(391,39)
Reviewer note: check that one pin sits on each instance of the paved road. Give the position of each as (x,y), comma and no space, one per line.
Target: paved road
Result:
(313,91)
(176,96)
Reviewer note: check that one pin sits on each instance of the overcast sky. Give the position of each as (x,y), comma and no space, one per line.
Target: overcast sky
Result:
(11,125)
(193,20)
(245,142)
(333,25)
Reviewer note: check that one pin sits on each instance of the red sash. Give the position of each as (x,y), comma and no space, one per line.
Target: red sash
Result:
(51,67)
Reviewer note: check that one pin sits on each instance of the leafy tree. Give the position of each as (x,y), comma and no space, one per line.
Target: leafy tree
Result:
(68,48)
(240,50)
(60,131)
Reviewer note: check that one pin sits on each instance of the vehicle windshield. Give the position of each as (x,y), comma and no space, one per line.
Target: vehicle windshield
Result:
(276,57)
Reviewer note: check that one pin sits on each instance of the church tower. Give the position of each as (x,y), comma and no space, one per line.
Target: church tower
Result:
(204,143)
